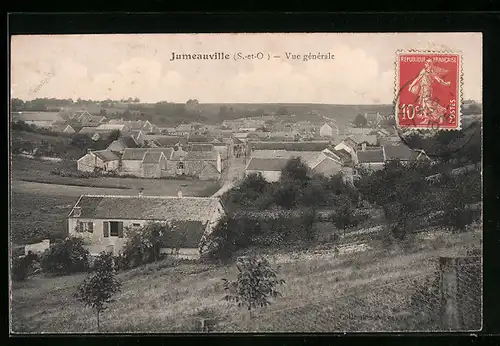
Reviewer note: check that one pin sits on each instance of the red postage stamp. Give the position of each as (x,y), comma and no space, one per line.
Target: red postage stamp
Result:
(428,90)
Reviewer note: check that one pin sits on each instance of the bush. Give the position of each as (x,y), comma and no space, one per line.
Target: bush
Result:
(24,266)
(66,257)
(344,213)
(142,245)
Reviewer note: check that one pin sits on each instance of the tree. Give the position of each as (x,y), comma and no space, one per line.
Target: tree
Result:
(114,135)
(65,257)
(360,121)
(255,285)
(343,216)
(295,170)
(97,290)
(137,100)
(17,105)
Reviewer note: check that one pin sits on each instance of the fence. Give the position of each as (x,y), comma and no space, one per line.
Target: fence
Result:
(447,296)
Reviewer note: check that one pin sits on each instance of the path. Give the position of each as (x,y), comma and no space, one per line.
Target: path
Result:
(235,172)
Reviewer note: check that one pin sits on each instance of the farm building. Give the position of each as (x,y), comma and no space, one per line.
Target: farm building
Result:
(93,120)
(308,157)
(82,115)
(270,168)
(102,221)
(199,164)
(328,130)
(38,119)
(63,128)
(119,145)
(332,162)
(104,160)
(200,147)
(372,159)
(184,129)
(113,127)
(138,162)
(152,164)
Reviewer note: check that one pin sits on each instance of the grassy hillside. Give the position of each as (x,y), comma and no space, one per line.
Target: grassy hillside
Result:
(372,290)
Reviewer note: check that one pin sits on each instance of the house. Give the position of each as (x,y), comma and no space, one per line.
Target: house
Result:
(113,127)
(152,164)
(93,120)
(119,145)
(247,129)
(373,159)
(200,147)
(38,119)
(82,116)
(374,119)
(102,221)
(288,146)
(359,131)
(402,153)
(104,160)
(165,141)
(308,157)
(63,128)
(132,161)
(270,168)
(328,130)
(184,129)
(198,164)
(331,162)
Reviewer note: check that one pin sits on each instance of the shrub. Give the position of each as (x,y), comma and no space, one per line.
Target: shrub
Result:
(24,266)
(344,213)
(65,257)
(143,245)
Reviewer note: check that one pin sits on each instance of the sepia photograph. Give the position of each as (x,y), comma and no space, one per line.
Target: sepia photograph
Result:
(246,183)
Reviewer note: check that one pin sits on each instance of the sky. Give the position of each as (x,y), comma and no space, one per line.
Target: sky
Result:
(99,67)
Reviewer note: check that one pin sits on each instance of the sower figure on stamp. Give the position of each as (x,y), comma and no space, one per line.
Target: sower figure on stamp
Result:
(422,86)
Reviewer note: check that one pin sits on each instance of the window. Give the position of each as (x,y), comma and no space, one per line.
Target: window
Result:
(113,229)
(136,225)
(180,165)
(86,227)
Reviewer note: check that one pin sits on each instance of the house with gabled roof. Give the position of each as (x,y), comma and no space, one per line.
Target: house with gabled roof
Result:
(329,130)
(269,168)
(145,162)
(102,221)
(184,129)
(203,165)
(38,119)
(62,128)
(119,145)
(103,160)
(200,147)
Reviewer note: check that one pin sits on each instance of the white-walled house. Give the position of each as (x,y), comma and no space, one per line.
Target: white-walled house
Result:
(328,130)
(270,168)
(105,160)
(102,221)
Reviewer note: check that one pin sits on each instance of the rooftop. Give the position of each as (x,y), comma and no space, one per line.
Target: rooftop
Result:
(266,164)
(290,146)
(146,207)
(371,156)
(106,155)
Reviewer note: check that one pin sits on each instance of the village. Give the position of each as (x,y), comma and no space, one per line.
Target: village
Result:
(245,195)
(225,155)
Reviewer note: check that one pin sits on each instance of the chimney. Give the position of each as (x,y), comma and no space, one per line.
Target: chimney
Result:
(179,194)
(363,146)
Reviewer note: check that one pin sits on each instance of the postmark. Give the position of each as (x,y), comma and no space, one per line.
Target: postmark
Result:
(428,90)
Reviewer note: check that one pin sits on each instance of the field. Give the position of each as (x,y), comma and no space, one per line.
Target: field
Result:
(41,201)
(365,291)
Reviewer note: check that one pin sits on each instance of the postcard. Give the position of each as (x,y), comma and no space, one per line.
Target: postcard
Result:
(221,183)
